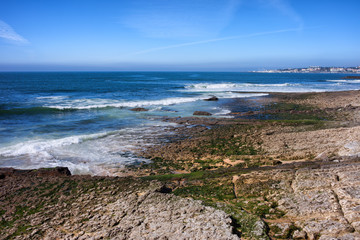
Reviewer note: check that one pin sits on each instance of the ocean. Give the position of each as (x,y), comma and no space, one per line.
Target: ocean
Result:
(83,120)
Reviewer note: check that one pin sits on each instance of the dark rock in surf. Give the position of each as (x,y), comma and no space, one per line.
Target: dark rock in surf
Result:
(213,98)
(53,172)
(139,109)
(202,113)
(351,77)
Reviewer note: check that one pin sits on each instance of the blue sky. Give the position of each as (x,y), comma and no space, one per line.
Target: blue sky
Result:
(195,35)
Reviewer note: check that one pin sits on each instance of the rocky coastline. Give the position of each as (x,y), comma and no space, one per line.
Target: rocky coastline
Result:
(286,169)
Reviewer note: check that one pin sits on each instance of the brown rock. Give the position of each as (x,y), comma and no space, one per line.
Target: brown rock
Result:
(57,171)
(139,109)
(213,98)
(202,113)
(351,77)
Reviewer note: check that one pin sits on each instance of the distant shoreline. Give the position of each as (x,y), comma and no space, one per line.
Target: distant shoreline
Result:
(316,69)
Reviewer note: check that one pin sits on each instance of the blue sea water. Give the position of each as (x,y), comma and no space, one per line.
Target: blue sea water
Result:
(83,120)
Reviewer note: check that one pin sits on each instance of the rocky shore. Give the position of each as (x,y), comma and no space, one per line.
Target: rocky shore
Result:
(286,169)
(51,204)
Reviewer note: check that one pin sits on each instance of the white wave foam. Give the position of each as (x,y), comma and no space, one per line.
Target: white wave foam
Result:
(232,86)
(97,154)
(222,112)
(239,95)
(52,98)
(40,147)
(344,81)
(103,103)
(250,87)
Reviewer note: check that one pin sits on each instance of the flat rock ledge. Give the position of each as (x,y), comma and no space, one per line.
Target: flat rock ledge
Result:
(35,206)
(318,203)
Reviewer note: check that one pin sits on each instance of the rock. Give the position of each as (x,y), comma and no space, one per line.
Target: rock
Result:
(248,113)
(85,207)
(350,107)
(283,229)
(139,109)
(299,234)
(277,162)
(320,201)
(57,171)
(351,77)
(322,157)
(259,230)
(213,98)
(202,113)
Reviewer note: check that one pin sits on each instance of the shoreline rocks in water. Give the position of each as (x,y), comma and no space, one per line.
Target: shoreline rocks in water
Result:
(139,109)
(54,172)
(213,98)
(351,77)
(201,113)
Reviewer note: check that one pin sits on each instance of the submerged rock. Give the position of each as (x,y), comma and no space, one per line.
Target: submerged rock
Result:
(213,98)
(351,77)
(139,109)
(201,113)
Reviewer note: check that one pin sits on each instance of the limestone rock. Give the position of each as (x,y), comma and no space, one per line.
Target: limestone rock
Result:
(321,201)
(299,234)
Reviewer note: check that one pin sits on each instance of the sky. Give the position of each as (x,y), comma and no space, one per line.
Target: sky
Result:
(177,35)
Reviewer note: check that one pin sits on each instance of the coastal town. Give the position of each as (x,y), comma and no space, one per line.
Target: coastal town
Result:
(315,69)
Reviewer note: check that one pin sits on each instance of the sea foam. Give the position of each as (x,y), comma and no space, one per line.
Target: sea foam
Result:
(246,87)
(344,81)
(266,87)
(96,154)
(105,103)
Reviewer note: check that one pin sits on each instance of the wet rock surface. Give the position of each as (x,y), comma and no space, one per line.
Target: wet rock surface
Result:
(139,109)
(201,113)
(213,98)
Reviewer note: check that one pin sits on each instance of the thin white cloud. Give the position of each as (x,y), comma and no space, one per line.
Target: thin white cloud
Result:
(286,9)
(215,40)
(179,18)
(8,33)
